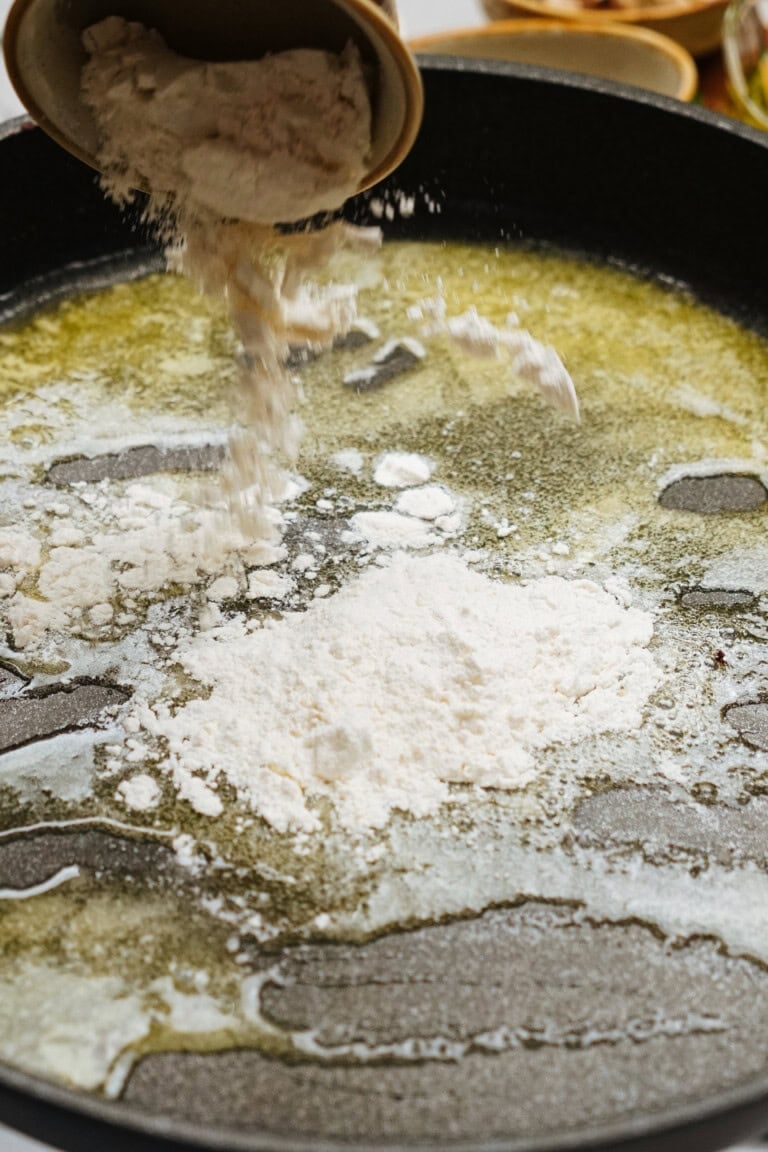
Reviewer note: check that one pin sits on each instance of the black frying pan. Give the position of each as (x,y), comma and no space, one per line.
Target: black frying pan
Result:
(516,154)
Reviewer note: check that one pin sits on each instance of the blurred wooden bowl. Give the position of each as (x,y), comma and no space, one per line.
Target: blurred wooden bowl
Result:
(620,52)
(694,24)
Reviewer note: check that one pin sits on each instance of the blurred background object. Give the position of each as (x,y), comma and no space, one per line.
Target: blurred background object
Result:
(745,49)
(696,24)
(625,53)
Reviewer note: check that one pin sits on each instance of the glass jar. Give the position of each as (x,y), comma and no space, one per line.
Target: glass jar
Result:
(745,51)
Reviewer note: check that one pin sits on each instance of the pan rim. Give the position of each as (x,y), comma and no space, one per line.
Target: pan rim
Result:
(167,1132)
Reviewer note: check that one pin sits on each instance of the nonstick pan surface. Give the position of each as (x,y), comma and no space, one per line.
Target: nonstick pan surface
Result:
(507,154)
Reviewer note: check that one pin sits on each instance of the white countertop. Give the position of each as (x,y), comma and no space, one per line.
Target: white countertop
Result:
(418,18)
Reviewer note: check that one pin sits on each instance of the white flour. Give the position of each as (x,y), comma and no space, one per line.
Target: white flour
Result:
(415,676)
(131,544)
(530,359)
(139,792)
(393,530)
(349,460)
(402,469)
(431,502)
(226,151)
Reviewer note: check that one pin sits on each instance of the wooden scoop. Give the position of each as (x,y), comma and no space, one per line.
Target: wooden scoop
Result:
(44,56)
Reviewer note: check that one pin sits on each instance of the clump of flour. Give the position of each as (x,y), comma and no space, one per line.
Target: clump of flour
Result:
(139,792)
(118,545)
(402,469)
(531,360)
(226,150)
(417,675)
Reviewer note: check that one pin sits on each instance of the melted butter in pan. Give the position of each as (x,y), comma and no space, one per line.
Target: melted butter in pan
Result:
(328,972)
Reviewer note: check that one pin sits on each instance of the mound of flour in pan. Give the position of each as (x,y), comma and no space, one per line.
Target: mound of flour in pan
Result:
(417,675)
